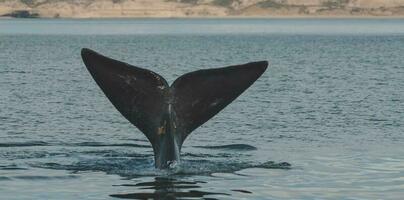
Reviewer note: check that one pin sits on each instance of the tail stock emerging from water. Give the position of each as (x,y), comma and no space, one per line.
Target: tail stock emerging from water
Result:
(168,114)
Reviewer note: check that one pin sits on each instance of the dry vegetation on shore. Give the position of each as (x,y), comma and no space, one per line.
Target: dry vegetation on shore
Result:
(200,8)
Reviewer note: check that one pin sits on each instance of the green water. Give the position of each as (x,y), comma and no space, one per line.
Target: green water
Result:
(331,104)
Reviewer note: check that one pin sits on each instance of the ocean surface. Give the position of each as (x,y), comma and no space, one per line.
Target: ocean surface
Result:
(325,121)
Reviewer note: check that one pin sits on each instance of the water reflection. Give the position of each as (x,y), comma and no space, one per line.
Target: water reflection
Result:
(167,188)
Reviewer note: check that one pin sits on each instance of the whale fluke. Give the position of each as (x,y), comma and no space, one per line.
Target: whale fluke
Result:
(168,114)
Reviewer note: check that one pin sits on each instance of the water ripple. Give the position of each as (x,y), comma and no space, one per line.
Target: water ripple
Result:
(244,147)
(24,144)
(134,167)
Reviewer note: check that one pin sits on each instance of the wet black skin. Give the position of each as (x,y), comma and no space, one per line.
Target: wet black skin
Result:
(168,114)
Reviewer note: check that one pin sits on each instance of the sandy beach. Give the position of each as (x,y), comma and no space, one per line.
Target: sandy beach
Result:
(202,9)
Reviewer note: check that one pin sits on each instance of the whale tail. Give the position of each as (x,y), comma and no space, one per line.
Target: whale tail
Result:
(168,114)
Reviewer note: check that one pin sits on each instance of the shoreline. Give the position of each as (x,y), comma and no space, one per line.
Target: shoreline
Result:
(216,17)
(207,9)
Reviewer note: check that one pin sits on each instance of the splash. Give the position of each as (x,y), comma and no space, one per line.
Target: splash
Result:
(137,167)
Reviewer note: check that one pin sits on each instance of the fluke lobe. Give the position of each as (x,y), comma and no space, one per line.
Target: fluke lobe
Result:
(168,114)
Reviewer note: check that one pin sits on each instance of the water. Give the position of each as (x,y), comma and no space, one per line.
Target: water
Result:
(325,121)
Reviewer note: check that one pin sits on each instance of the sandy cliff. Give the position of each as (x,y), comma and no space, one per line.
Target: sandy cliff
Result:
(199,8)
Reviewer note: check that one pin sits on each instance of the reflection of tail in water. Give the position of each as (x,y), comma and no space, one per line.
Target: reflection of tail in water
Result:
(168,114)
(166,188)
